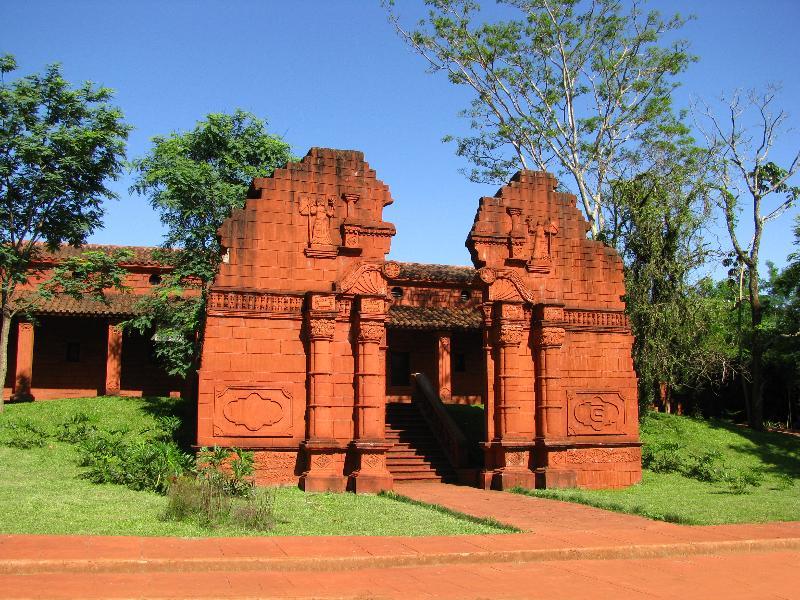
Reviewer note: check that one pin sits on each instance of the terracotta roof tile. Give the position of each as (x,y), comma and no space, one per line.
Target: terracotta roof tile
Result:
(436,273)
(142,255)
(427,318)
(117,305)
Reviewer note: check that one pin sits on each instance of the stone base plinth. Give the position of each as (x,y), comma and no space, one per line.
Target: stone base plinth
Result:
(325,470)
(556,479)
(506,479)
(371,476)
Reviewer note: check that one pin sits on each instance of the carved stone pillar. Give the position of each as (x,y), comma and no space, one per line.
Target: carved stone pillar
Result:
(551,417)
(371,474)
(24,374)
(509,451)
(443,353)
(113,360)
(324,453)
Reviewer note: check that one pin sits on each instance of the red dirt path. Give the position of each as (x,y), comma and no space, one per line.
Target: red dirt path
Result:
(571,551)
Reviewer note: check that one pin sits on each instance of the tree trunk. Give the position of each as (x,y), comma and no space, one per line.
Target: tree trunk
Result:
(756,412)
(5,329)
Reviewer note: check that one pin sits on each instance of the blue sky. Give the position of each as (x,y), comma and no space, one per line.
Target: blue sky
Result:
(333,73)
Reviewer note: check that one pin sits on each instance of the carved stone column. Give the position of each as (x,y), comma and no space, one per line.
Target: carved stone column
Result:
(510,448)
(371,474)
(113,360)
(24,374)
(443,353)
(325,455)
(551,416)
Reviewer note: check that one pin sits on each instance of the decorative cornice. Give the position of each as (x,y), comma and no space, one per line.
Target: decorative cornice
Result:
(264,304)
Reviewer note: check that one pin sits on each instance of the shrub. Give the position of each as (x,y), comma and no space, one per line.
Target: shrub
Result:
(221,490)
(741,481)
(139,464)
(663,457)
(76,428)
(24,434)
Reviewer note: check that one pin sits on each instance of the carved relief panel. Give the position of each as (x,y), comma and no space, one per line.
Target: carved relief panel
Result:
(595,413)
(252,411)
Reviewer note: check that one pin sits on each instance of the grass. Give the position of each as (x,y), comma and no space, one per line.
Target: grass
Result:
(677,498)
(42,491)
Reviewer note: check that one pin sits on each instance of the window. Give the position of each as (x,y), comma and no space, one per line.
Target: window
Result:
(459,362)
(73,352)
(397,293)
(155,279)
(465,295)
(399,369)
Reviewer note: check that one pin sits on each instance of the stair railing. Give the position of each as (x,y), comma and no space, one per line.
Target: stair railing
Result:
(444,428)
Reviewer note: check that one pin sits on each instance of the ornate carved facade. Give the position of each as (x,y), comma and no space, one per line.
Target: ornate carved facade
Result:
(311,331)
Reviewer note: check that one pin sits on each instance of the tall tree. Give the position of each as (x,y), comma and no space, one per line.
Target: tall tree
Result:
(195,179)
(657,221)
(749,183)
(59,146)
(567,85)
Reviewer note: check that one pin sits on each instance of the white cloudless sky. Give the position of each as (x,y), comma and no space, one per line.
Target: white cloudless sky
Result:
(334,73)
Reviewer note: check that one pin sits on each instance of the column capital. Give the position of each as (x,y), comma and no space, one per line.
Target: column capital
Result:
(370,332)
(552,337)
(510,334)
(321,328)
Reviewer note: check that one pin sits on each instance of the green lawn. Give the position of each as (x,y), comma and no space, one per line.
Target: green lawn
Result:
(682,499)
(41,489)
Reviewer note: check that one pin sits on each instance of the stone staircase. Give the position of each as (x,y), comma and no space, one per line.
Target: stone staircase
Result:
(416,454)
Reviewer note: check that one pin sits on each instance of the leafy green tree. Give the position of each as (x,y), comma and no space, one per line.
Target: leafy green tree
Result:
(567,85)
(742,135)
(657,221)
(195,179)
(58,148)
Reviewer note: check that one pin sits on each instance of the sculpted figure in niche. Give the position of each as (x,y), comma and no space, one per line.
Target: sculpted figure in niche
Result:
(542,238)
(319,212)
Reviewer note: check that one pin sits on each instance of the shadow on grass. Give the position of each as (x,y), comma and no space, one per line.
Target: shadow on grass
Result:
(182,408)
(779,453)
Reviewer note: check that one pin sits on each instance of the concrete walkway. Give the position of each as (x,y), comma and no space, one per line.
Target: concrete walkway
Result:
(568,551)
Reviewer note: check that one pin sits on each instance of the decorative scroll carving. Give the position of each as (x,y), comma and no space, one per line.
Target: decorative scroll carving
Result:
(257,303)
(509,285)
(595,413)
(322,328)
(370,331)
(510,335)
(366,279)
(580,456)
(391,269)
(550,336)
(253,410)
(596,318)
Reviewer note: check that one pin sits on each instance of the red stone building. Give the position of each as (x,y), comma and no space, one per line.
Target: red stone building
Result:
(74,348)
(313,340)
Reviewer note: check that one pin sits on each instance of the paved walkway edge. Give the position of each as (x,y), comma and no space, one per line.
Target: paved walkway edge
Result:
(241,564)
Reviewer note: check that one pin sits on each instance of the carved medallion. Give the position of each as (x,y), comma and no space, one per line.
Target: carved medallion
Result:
(391,269)
(487,275)
(595,413)
(252,410)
